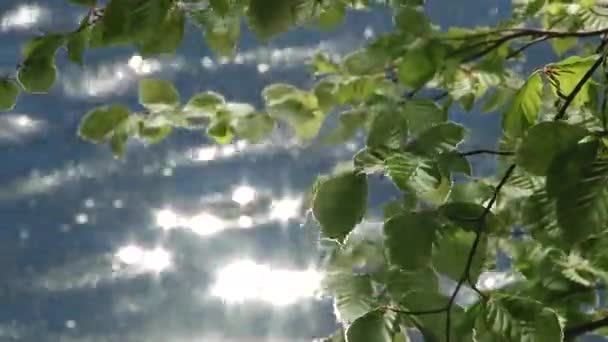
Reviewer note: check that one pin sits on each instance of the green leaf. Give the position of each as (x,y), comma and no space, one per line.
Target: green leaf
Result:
(158,95)
(255,126)
(97,124)
(524,108)
(222,7)
(400,283)
(363,62)
(408,239)
(268,18)
(221,32)
(323,65)
(298,108)
(417,67)
(43,48)
(118,144)
(221,131)
(388,129)
(582,209)
(412,21)
(339,204)
(353,295)
(451,253)
(497,99)
(172,28)
(411,172)
(349,122)
(422,115)
(505,318)
(204,104)
(131,21)
(77,44)
(466,215)
(566,75)
(369,161)
(331,16)
(37,75)
(561,45)
(9,90)
(438,139)
(154,134)
(454,162)
(568,167)
(371,327)
(539,217)
(543,142)
(471,191)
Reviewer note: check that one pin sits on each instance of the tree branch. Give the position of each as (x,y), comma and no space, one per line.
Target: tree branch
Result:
(562,111)
(467,269)
(572,332)
(498,153)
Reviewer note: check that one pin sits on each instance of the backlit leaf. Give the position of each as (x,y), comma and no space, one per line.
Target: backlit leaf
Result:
(97,124)
(340,203)
(438,139)
(517,319)
(524,108)
(353,295)
(158,95)
(409,239)
(451,252)
(371,327)
(543,142)
(9,90)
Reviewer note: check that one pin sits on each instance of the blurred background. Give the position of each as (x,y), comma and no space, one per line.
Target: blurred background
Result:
(185,240)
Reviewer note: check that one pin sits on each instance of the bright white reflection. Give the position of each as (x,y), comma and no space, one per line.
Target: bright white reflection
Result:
(205,224)
(245,222)
(167,219)
(130,255)
(143,66)
(246,280)
(285,209)
(22,17)
(155,260)
(243,195)
(205,153)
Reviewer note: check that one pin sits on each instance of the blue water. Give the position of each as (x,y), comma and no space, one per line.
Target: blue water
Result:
(83,256)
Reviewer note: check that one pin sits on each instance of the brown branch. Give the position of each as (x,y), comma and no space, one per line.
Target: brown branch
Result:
(562,111)
(467,269)
(575,331)
(476,152)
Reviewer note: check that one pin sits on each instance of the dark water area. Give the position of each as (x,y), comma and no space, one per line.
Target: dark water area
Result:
(181,241)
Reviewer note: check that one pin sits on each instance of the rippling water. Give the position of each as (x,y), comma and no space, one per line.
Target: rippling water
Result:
(182,241)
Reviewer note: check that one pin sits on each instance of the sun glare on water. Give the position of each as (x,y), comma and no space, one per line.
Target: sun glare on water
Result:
(246,280)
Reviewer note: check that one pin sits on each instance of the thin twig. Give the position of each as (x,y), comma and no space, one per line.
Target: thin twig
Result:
(562,111)
(498,153)
(478,233)
(525,46)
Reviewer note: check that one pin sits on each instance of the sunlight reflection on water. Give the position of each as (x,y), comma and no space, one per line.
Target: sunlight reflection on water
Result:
(247,280)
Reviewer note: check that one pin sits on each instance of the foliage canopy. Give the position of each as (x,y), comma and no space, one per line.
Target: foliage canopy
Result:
(545,207)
